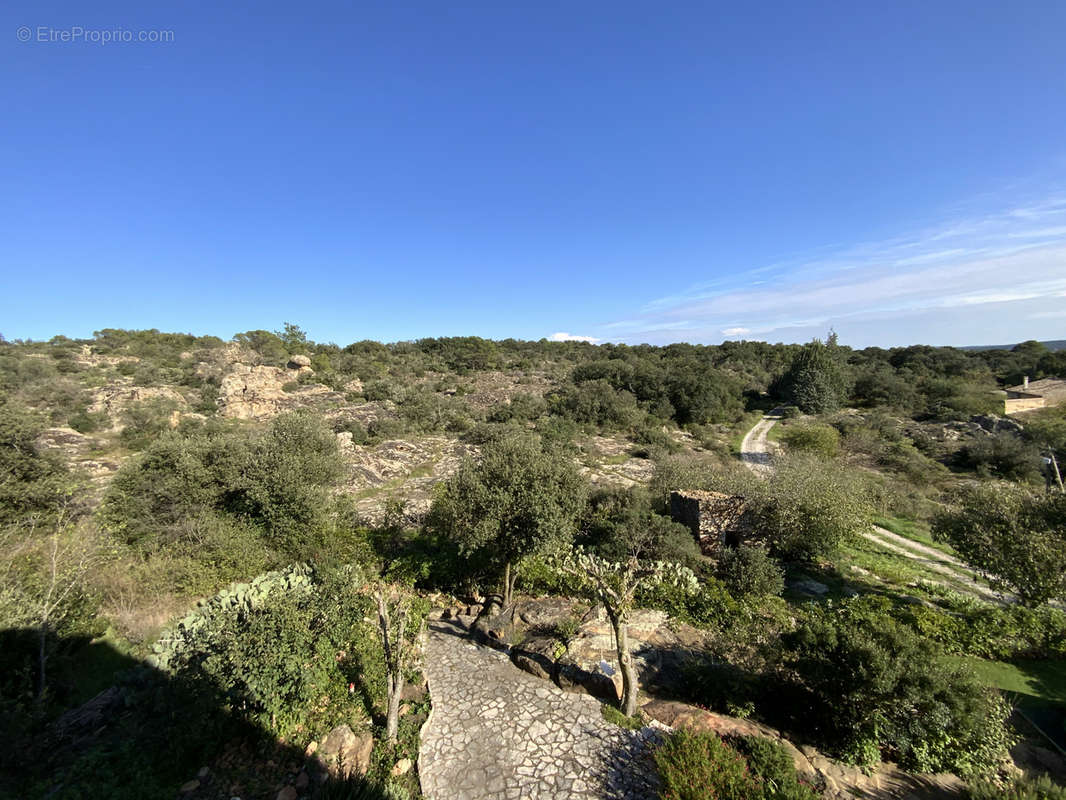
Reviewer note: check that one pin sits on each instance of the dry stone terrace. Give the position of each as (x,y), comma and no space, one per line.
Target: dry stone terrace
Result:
(497,732)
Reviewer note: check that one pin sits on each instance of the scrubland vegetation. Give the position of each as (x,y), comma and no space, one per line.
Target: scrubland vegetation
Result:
(117,519)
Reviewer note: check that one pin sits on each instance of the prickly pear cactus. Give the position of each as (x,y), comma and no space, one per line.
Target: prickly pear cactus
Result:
(194,630)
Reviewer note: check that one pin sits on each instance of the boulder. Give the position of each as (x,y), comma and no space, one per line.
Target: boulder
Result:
(344,752)
(809,586)
(993,424)
(572,678)
(545,612)
(299,362)
(536,655)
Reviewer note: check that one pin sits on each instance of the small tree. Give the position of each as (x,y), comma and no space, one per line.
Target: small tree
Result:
(1014,536)
(818,380)
(615,584)
(43,582)
(523,497)
(809,508)
(395,618)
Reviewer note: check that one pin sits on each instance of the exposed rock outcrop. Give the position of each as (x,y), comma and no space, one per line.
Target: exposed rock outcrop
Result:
(116,399)
(344,752)
(258,393)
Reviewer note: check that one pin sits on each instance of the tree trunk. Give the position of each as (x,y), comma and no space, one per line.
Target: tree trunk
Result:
(625,662)
(1055,467)
(509,577)
(42,658)
(392,720)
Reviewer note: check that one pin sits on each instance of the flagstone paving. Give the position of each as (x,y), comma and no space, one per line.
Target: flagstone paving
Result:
(498,732)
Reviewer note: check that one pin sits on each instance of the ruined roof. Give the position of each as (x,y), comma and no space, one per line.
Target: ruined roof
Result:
(699,494)
(1050,388)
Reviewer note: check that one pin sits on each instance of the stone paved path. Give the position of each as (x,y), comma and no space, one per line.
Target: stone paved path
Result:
(498,732)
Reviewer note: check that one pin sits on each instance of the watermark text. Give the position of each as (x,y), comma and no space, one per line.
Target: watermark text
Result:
(77,34)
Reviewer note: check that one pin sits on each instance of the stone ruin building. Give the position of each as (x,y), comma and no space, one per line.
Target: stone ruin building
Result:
(716,520)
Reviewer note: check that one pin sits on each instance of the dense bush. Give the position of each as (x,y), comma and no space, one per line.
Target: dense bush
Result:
(868,686)
(619,524)
(1001,455)
(1015,536)
(700,766)
(1000,633)
(710,606)
(771,763)
(750,572)
(31,481)
(821,440)
(1041,787)
(809,509)
(278,481)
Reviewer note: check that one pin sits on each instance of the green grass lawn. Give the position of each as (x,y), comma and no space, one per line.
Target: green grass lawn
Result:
(1043,680)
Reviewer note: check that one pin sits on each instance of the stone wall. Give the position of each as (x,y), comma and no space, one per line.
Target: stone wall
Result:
(715,519)
(1022,402)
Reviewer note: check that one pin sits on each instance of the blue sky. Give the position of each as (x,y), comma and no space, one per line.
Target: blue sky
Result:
(622,171)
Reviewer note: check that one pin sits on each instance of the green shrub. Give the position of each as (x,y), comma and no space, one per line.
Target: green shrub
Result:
(278,481)
(999,633)
(282,650)
(145,422)
(84,421)
(771,763)
(750,572)
(864,683)
(1025,788)
(821,440)
(809,509)
(711,606)
(31,481)
(700,766)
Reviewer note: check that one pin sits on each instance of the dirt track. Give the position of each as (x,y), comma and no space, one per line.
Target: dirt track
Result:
(755,453)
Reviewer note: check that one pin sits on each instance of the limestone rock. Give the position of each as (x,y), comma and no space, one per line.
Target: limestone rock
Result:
(299,362)
(402,767)
(809,586)
(66,439)
(115,400)
(251,392)
(536,655)
(570,677)
(993,424)
(345,753)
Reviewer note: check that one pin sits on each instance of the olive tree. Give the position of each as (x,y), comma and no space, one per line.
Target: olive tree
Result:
(523,497)
(1014,536)
(615,584)
(397,619)
(809,508)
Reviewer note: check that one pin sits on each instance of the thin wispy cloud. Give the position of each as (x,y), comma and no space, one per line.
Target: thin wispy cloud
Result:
(969,265)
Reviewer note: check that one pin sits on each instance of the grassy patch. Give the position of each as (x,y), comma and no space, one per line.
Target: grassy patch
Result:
(1041,679)
(915,531)
(616,717)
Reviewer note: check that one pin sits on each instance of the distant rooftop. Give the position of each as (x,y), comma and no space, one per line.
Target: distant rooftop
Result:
(1052,389)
